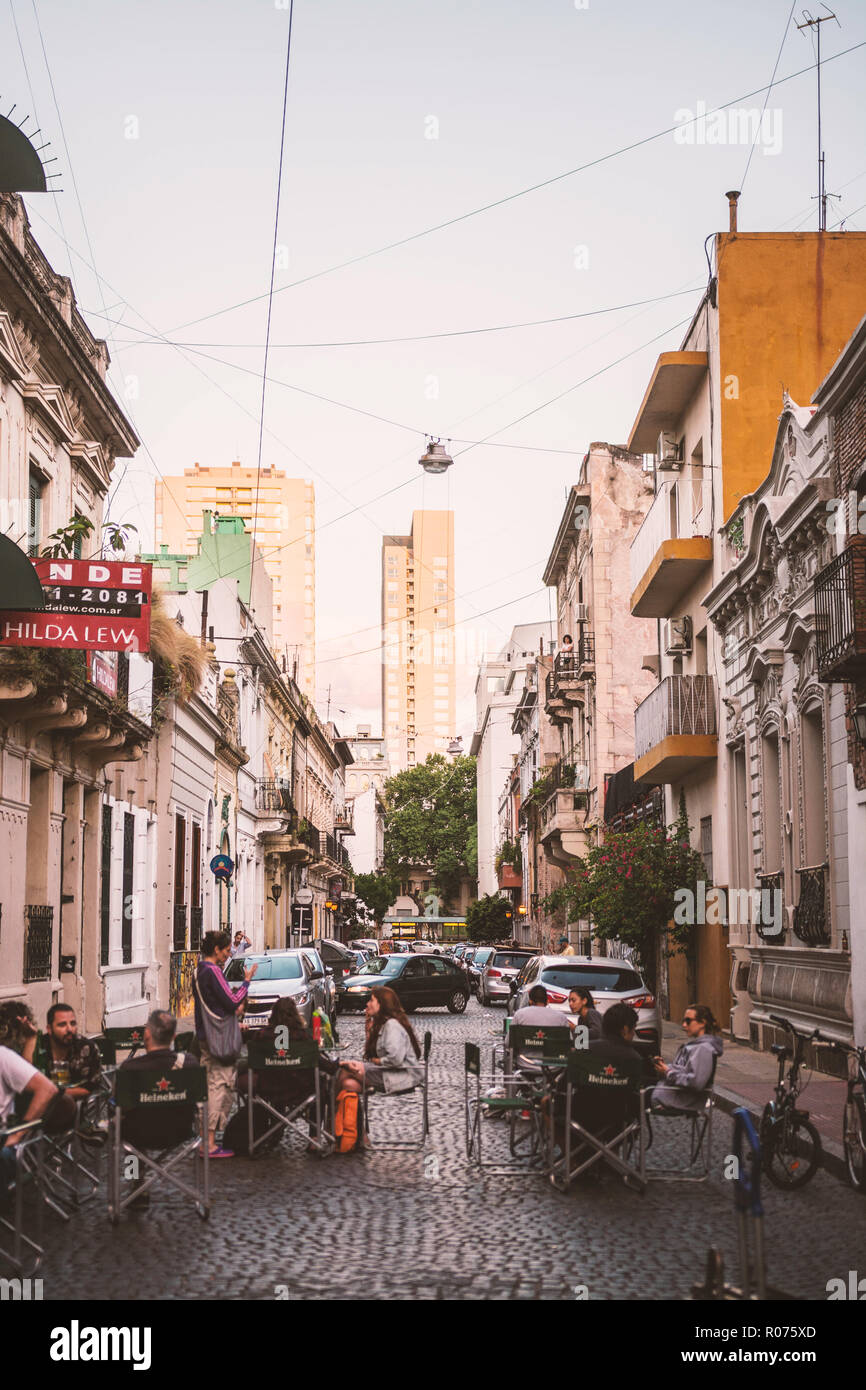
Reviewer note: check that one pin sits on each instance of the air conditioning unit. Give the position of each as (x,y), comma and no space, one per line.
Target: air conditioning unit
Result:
(581,613)
(668,451)
(678,636)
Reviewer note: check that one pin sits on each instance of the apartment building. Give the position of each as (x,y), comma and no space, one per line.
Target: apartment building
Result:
(280,514)
(418,666)
(365,784)
(778,309)
(498,689)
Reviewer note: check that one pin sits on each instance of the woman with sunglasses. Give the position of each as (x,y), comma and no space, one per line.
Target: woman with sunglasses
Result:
(693,1067)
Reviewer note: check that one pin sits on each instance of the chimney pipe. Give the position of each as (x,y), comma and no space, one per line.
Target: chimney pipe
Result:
(733,199)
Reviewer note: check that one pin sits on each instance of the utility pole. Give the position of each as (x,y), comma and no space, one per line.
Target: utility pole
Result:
(810,22)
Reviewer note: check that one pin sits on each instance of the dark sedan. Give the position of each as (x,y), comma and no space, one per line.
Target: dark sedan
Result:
(420,982)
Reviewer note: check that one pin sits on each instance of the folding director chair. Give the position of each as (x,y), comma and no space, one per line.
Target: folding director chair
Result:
(145,1094)
(699,1124)
(22,1252)
(532,1058)
(267,1061)
(404,1145)
(601,1120)
(64,1179)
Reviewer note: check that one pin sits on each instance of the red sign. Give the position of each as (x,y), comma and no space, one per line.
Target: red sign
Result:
(102,671)
(90,605)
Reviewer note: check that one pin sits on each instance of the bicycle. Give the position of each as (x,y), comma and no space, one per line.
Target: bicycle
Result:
(791,1144)
(854,1120)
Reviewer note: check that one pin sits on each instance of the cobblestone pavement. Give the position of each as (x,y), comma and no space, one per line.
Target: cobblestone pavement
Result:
(412,1226)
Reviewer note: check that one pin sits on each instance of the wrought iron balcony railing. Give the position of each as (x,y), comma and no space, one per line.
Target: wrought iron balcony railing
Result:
(679,705)
(769,885)
(38,933)
(274,795)
(811,919)
(840,611)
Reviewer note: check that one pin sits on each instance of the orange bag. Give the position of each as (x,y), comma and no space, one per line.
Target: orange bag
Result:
(346,1122)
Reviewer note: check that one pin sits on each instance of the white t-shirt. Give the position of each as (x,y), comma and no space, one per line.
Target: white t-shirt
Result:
(539,1016)
(15,1074)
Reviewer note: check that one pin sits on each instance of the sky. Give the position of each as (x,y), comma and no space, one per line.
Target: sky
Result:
(165,120)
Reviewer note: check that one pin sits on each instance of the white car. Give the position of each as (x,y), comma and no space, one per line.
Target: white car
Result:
(609,981)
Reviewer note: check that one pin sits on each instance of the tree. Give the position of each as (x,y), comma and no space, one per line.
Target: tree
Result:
(431,819)
(377,892)
(489,919)
(630,887)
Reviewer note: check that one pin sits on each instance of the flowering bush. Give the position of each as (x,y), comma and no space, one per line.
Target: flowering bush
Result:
(626,888)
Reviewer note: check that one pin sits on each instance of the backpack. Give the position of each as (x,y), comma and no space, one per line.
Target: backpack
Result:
(346,1122)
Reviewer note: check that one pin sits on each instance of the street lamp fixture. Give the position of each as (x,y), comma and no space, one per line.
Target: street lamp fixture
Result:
(276,890)
(455,747)
(435,458)
(860,724)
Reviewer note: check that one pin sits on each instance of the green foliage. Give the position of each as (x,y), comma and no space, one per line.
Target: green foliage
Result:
(490,919)
(626,887)
(736,533)
(509,853)
(79,529)
(377,892)
(431,819)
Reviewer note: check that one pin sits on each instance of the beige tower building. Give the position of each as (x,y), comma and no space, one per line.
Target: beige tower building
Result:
(280,513)
(418,686)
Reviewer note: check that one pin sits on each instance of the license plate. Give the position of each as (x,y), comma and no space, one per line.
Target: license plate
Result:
(256,1020)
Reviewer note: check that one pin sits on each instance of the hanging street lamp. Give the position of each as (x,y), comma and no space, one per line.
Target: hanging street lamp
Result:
(435,458)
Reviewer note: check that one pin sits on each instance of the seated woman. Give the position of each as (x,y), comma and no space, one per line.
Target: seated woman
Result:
(694,1065)
(388,1063)
(581,1009)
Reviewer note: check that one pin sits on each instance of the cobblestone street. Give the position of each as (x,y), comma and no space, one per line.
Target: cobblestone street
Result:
(411,1226)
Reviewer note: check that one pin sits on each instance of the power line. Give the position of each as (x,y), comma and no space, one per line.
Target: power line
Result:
(509,198)
(157,339)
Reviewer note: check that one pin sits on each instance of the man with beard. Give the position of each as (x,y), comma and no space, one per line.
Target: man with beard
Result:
(68,1060)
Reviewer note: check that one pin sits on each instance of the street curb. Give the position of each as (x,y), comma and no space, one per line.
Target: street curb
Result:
(832,1154)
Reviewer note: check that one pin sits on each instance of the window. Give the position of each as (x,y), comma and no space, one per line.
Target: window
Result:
(105,894)
(34,513)
(707,845)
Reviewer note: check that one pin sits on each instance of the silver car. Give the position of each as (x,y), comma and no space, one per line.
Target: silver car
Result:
(609,981)
(280,974)
(497,973)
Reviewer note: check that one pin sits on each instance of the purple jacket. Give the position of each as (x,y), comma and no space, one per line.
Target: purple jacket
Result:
(217,994)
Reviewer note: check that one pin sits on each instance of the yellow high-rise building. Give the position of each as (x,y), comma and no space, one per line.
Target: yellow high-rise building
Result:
(418,686)
(280,513)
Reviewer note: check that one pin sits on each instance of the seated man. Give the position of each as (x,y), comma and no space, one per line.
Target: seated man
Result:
(69,1060)
(19,1078)
(690,1072)
(616,1044)
(162,1130)
(536,1013)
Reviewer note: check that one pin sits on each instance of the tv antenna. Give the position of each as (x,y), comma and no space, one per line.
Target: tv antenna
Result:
(812,22)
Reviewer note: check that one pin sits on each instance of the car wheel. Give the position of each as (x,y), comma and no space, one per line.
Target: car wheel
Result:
(457,1002)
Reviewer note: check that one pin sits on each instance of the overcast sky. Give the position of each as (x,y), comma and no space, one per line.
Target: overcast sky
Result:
(401,115)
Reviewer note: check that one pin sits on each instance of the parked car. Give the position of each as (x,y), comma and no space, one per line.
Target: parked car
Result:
(330,987)
(503,966)
(280,974)
(365,943)
(480,956)
(611,982)
(338,959)
(418,981)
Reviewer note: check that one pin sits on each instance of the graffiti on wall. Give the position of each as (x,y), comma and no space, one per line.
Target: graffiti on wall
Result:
(182,966)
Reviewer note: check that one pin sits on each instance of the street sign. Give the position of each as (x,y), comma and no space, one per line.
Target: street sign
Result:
(302,921)
(90,605)
(304,897)
(221,866)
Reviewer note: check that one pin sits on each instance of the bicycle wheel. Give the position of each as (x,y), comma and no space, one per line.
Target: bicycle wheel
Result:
(793,1153)
(854,1142)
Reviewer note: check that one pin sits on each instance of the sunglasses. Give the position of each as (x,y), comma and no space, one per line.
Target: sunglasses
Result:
(691,1019)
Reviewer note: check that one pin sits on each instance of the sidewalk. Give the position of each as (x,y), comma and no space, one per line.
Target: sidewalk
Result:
(746,1077)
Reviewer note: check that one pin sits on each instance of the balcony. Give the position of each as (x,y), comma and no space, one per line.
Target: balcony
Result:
(840,611)
(675,729)
(564,808)
(671,548)
(37,943)
(344,820)
(765,926)
(326,849)
(274,796)
(811,916)
(564,685)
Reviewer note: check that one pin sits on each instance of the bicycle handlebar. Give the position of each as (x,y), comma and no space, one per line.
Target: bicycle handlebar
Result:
(855,1051)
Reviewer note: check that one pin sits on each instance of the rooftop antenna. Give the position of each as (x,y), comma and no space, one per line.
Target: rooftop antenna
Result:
(811,22)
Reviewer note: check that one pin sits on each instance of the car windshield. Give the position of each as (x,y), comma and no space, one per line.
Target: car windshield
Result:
(270,968)
(481,957)
(382,965)
(607,979)
(509,960)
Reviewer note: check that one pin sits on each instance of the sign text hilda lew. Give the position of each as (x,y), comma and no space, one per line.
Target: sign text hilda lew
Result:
(90,605)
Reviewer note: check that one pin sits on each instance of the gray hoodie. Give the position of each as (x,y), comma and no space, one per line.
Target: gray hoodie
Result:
(689,1073)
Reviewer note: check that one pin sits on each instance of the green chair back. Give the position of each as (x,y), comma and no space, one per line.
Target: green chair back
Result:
(159,1088)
